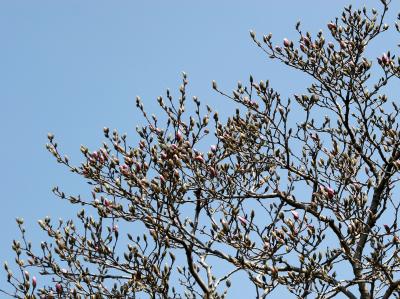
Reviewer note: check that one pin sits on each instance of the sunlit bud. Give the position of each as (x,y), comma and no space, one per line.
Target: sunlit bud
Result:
(343,44)
(213,148)
(213,172)
(331,26)
(115,228)
(179,136)
(385,59)
(306,41)
(252,34)
(59,288)
(34,281)
(50,136)
(26,273)
(295,215)
(124,169)
(199,158)
(162,179)
(242,220)
(286,42)
(330,192)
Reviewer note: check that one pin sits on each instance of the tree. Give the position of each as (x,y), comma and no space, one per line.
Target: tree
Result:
(307,205)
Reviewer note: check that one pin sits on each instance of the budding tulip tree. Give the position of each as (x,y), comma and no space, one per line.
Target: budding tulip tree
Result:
(304,202)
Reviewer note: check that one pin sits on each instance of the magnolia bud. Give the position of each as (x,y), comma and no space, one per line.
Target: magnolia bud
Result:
(34,282)
(242,220)
(332,27)
(286,42)
(59,288)
(295,215)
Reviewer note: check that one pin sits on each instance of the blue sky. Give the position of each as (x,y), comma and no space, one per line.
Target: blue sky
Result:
(73,67)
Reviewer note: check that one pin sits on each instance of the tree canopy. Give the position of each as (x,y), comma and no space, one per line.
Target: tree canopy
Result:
(307,205)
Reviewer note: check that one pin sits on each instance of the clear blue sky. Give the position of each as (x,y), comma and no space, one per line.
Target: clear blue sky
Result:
(72,67)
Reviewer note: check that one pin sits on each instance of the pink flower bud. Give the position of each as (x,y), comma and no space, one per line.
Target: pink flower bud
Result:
(385,59)
(59,288)
(242,220)
(179,136)
(286,42)
(174,146)
(115,228)
(295,215)
(162,179)
(199,158)
(34,281)
(213,148)
(343,44)
(306,41)
(124,169)
(330,192)
(331,26)
(107,203)
(213,172)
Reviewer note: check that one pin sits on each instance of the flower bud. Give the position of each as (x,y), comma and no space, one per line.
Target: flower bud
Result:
(295,215)
(242,220)
(286,42)
(34,282)
(59,288)
(332,27)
